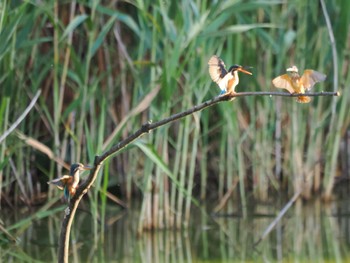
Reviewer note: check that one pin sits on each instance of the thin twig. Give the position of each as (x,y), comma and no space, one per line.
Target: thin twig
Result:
(145,128)
(285,94)
(278,218)
(226,197)
(21,118)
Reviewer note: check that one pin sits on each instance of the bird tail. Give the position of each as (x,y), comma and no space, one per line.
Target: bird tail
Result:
(303,99)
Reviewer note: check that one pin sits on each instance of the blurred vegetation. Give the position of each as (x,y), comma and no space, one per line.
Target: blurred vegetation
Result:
(106,67)
(311,232)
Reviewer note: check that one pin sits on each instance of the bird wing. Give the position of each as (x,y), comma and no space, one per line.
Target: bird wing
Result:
(61,182)
(217,68)
(311,77)
(283,82)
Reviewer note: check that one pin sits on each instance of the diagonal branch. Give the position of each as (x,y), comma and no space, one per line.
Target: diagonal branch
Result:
(278,218)
(21,118)
(145,128)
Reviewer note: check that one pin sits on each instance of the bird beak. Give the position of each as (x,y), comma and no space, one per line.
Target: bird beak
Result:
(86,167)
(244,71)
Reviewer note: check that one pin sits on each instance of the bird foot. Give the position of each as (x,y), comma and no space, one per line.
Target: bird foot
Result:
(223,92)
(231,93)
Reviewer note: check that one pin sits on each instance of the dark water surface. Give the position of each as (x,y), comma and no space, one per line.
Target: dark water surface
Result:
(311,232)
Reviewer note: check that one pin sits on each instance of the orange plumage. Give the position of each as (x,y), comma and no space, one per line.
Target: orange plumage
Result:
(296,84)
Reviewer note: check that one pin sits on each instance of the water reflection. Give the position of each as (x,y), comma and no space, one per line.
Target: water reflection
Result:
(308,232)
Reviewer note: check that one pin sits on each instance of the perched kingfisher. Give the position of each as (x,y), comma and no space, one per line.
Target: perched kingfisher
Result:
(296,84)
(69,183)
(227,80)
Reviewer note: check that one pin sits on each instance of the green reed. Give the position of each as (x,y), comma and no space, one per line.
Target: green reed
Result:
(96,69)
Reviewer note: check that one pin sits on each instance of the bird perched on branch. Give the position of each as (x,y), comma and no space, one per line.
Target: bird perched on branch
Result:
(227,80)
(69,183)
(296,84)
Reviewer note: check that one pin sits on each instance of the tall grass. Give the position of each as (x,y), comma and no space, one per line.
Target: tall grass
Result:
(99,67)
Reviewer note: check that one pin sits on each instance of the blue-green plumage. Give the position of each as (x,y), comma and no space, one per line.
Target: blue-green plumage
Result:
(66,193)
(69,183)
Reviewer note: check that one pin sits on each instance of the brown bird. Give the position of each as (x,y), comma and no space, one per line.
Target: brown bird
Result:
(227,80)
(296,84)
(69,183)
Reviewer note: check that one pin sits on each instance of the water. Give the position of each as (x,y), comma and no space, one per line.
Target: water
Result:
(308,232)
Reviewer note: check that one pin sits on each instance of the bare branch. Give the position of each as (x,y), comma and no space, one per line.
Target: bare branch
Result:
(21,118)
(285,94)
(146,128)
(278,218)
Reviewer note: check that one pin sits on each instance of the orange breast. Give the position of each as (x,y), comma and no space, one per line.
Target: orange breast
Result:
(297,85)
(231,85)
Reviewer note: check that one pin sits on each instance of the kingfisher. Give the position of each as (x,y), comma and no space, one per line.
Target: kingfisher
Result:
(226,80)
(296,84)
(69,183)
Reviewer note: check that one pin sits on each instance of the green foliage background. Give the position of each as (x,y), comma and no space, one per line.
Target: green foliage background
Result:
(99,65)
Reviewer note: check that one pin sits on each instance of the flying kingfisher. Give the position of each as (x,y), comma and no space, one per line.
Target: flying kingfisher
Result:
(296,84)
(69,183)
(227,80)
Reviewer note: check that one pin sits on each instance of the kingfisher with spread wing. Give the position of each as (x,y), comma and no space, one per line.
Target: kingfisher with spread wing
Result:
(69,183)
(226,80)
(296,84)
